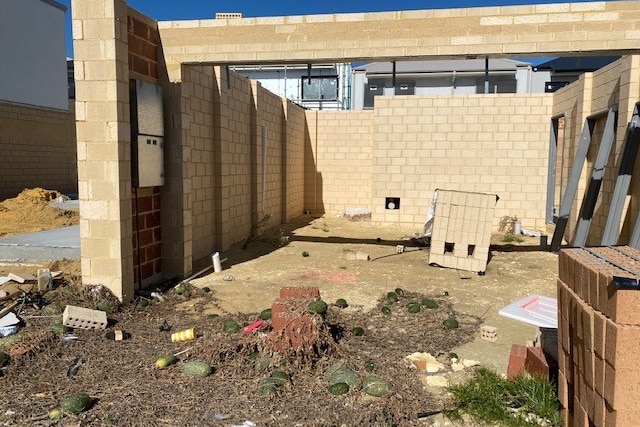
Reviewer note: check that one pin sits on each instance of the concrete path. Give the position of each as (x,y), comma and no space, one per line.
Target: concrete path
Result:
(41,246)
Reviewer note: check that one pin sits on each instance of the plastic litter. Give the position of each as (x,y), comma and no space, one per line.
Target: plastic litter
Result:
(8,330)
(156,295)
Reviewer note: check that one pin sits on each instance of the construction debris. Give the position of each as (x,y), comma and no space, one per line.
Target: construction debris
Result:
(358,214)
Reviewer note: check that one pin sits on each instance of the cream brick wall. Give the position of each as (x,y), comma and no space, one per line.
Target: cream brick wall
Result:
(408,146)
(235,135)
(507,31)
(615,86)
(198,94)
(295,139)
(42,142)
(338,161)
(104,146)
(479,143)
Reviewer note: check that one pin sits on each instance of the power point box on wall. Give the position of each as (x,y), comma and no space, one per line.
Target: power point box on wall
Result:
(392,203)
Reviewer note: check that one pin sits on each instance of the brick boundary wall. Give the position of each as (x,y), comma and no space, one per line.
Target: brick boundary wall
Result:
(150,235)
(143,39)
(598,336)
(41,141)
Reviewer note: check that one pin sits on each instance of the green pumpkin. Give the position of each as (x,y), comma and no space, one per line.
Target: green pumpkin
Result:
(76,403)
(197,368)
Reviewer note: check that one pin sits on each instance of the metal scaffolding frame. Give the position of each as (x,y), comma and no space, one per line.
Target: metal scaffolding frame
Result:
(597,174)
(576,171)
(627,163)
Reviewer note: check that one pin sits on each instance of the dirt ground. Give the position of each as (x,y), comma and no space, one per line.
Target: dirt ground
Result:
(127,390)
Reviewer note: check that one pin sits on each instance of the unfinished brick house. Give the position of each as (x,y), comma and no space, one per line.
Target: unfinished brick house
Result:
(233,153)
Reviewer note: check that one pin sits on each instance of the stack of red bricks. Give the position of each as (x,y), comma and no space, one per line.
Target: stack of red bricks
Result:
(291,323)
(599,336)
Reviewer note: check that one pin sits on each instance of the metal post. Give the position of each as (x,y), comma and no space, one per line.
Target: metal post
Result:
(393,76)
(591,197)
(627,162)
(572,185)
(486,75)
(551,171)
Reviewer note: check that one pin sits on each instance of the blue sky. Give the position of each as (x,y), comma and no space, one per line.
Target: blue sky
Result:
(167,10)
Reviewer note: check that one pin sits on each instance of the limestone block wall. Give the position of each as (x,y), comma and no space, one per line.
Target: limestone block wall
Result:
(270,160)
(615,86)
(338,161)
(104,144)
(295,142)
(508,31)
(598,336)
(41,142)
(200,192)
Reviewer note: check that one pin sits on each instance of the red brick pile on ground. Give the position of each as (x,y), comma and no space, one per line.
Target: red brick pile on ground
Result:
(296,332)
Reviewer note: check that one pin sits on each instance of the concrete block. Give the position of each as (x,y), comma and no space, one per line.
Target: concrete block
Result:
(488,333)
(84,318)
(536,363)
(517,359)
(621,386)
(622,344)
(622,417)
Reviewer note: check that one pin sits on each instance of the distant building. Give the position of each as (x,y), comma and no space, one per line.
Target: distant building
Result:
(560,72)
(441,77)
(32,48)
(315,87)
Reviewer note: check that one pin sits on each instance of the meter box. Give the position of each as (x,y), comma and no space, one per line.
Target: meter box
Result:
(147,129)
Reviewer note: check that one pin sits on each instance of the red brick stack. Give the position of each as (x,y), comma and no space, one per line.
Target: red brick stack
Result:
(292,324)
(599,336)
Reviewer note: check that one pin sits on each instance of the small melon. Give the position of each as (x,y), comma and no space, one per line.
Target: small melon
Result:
(342,303)
(55,414)
(305,254)
(399,292)
(206,289)
(429,303)
(142,303)
(340,373)
(230,326)
(357,331)
(453,355)
(392,296)
(59,329)
(376,386)
(267,386)
(386,310)
(369,366)
(103,305)
(76,403)
(165,361)
(319,307)
(450,323)
(51,310)
(265,314)
(197,368)
(414,308)
(180,289)
(338,388)
(280,377)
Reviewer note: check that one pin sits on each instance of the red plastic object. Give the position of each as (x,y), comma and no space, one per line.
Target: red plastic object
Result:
(255,325)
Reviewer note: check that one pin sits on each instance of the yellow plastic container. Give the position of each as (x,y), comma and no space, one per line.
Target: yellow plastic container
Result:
(185,335)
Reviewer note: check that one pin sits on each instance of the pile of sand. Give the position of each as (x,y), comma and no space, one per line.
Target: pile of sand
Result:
(31,211)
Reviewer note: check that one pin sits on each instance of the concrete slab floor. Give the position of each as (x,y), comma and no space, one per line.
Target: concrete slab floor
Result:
(43,245)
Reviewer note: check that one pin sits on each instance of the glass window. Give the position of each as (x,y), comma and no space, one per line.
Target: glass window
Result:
(319,88)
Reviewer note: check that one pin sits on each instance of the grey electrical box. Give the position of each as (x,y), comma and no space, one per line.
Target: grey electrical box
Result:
(147,134)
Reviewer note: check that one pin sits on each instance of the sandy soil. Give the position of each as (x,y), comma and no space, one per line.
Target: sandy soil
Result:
(514,271)
(252,276)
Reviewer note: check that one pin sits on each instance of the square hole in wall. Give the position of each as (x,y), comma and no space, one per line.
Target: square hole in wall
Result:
(392,203)
(449,247)
(470,250)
